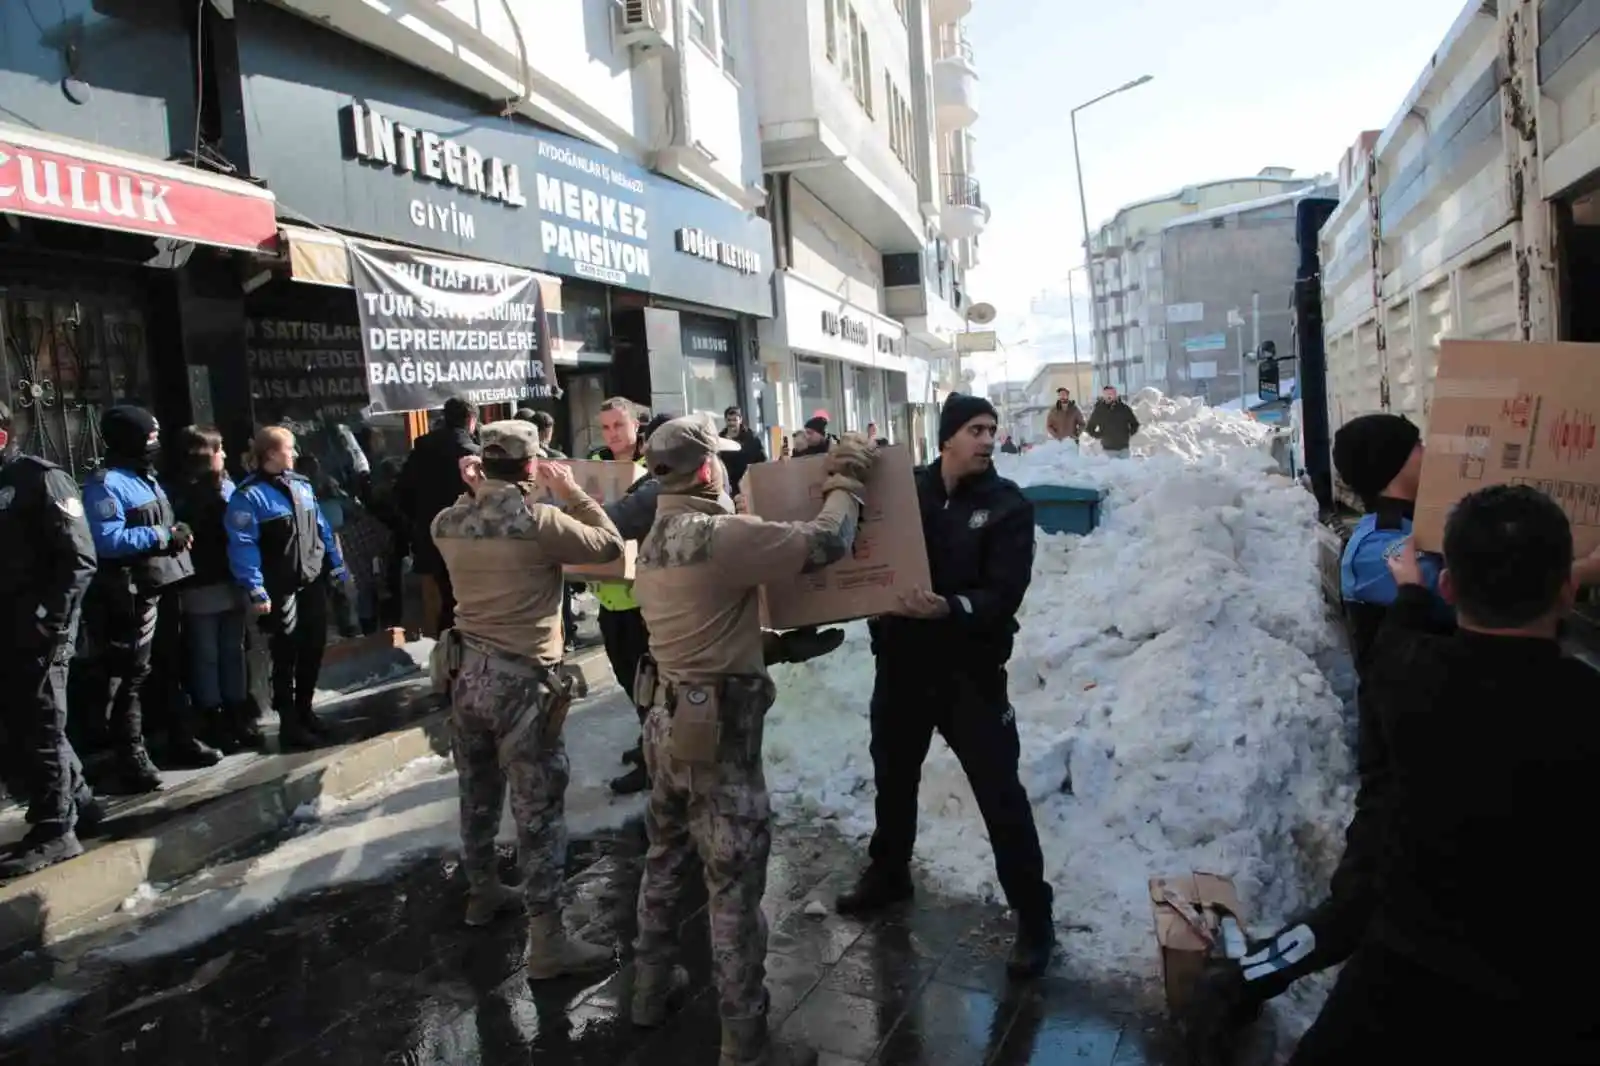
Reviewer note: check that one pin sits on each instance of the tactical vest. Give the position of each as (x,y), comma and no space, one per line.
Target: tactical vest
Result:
(150,573)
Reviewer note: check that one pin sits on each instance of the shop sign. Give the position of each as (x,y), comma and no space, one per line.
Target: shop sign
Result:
(846,328)
(709,339)
(433,327)
(42,179)
(703,245)
(888,344)
(366,144)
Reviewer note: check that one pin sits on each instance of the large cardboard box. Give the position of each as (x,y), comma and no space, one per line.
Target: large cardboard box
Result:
(1512,413)
(890,556)
(1188,911)
(607,482)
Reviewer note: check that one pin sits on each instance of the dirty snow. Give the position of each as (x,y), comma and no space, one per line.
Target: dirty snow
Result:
(1164,673)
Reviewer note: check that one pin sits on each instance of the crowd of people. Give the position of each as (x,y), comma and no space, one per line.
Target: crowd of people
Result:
(163,570)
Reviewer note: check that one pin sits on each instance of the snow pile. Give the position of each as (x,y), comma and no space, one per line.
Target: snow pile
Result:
(1163,675)
(1185,427)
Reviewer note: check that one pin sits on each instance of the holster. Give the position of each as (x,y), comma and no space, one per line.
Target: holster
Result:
(561,686)
(645,681)
(719,718)
(444,662)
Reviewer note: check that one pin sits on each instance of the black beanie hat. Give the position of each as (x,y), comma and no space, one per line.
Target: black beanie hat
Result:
(126,430)
(818,425)
(1370,451)
(959,409)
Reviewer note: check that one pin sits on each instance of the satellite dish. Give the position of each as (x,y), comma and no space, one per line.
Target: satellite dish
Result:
(980,314)
(969,376)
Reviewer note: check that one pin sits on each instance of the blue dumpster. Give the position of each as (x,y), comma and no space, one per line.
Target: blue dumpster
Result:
(1064,509)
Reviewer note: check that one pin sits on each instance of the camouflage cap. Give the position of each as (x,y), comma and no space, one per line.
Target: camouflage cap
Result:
(511,439)
(682,445)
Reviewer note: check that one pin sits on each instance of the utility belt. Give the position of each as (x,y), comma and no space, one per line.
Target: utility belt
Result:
(712,718)
(455,651)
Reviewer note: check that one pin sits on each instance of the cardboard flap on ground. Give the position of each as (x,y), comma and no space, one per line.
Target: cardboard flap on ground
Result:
(889,556)
(1183,949)
(1511,413)
(607,481)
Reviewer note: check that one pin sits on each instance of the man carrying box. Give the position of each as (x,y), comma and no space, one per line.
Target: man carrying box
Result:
(700,572)
(942,665)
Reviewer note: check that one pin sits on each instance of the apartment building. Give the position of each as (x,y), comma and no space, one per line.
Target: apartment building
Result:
(865,113)
(1130,307)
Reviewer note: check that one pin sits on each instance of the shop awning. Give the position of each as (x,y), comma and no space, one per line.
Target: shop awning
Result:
(63,180)
(322,257)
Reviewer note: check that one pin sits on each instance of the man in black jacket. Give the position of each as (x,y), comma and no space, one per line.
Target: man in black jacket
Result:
(47,560)
(735,428)
(1482,813)
(1112,423)
(430,482)
(942,665)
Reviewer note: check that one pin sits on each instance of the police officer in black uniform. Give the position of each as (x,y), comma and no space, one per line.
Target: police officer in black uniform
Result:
(144,554)
(47,560)
(942,665)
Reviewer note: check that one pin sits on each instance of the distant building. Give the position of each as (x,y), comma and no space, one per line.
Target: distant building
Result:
(1131,299)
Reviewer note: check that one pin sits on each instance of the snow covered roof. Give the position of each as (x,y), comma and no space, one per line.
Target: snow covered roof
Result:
(1244,206)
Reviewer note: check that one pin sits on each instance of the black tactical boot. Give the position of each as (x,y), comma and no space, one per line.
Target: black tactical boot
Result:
(217,728)
(634,756)
(634,781)
(1031,950)
(312,724)
(185,749)
(879,887)
(135,773)
(43,846)
(91,815)
(243,723)
(294,736)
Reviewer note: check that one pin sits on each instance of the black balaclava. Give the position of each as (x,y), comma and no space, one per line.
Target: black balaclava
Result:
(127,432)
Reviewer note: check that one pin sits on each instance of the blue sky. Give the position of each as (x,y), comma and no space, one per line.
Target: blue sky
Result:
(1239,85)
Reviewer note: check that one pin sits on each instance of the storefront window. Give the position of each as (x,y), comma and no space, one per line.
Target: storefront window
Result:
(711,383)
(584,325)
(868,404)
(67,358)
(821,391)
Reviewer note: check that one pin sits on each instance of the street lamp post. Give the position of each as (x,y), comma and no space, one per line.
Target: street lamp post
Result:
(1097,345)
(1072,309)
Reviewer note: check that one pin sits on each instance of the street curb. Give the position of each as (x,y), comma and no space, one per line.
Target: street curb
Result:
(54,903)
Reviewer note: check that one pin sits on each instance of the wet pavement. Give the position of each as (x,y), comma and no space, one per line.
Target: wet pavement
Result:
(386,973)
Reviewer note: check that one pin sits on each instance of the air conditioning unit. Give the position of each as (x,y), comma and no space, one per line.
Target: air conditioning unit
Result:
(643,23)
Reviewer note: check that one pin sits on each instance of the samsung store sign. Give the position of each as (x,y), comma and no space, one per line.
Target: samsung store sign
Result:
(357,141)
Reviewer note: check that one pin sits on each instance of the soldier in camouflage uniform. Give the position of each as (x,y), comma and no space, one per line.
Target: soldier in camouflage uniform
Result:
(504,553)
(700,569)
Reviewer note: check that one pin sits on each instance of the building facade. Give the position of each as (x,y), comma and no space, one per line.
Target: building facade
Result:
(614,154)
(865,112)
(1130,305)
(1229,276)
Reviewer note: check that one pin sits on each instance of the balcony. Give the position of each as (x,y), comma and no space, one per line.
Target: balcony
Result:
(955,87)
(964,214)
(943,12)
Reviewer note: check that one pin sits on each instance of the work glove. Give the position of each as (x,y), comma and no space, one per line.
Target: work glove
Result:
(843,483)
(181,537)
(852,457)
(799,645)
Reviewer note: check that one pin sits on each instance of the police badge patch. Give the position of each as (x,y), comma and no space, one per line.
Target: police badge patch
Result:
(239,519)
(978,520)
(7,494)
(106,508)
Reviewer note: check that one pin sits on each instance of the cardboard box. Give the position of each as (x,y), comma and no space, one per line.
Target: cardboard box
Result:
(607,482)
(890,555)
(1188,910)
(1512,413)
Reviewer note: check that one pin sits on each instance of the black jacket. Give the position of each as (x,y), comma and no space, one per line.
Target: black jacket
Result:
(429,482)
(980,552)
(203,508)
(750,452)
(1112,424)
(1494,748)
(47,556)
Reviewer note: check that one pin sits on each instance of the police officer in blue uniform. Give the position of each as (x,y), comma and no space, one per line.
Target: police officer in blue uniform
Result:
(1379,457)
(47,560)
(282,551)
(144,553)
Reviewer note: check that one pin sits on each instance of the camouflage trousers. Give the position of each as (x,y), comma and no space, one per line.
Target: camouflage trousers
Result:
(720,810)
(494,747)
